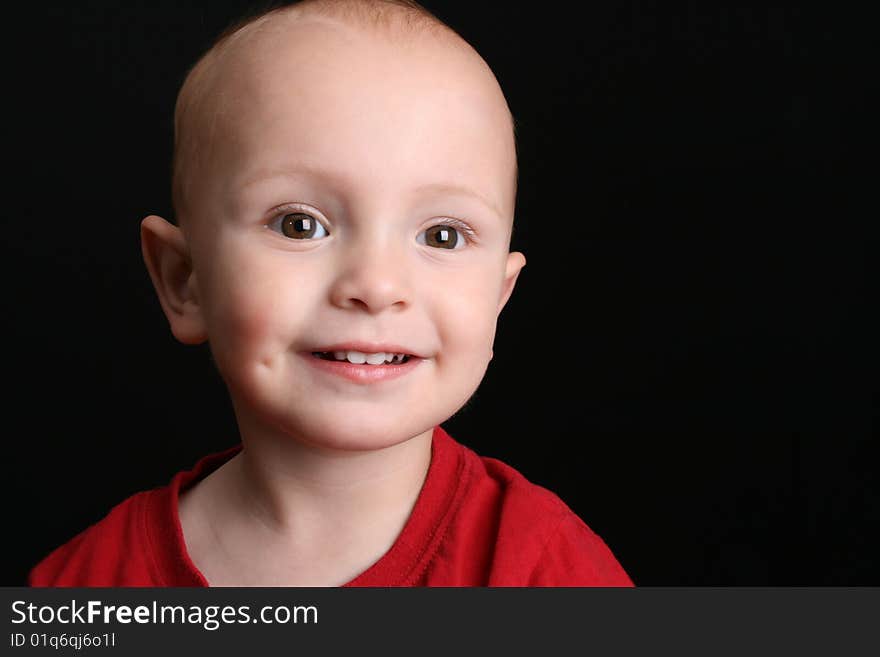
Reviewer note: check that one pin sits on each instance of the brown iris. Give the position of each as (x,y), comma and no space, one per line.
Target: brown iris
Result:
(444,237)
(299,225)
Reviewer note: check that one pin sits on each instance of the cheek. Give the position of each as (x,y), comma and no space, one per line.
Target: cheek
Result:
(255,309)
(466,316)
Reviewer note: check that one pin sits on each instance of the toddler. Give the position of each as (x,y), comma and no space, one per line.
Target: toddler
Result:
(344,184)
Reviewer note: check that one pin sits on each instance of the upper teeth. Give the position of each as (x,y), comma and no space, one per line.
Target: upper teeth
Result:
(359,357)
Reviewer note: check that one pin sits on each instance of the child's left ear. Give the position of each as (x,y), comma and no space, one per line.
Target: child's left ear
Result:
(515,262)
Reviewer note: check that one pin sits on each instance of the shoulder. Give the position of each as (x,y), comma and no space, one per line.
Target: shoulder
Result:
(92,557)
(138,543)
(537,539)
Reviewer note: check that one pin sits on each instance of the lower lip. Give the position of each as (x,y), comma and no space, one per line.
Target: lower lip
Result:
(363,373)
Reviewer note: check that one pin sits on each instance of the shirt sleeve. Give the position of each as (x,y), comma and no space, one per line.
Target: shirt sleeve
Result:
(575,556)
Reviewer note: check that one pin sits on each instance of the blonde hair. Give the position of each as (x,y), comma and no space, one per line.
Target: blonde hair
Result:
(393,19)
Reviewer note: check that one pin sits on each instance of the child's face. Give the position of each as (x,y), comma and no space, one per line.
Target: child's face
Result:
(369,149)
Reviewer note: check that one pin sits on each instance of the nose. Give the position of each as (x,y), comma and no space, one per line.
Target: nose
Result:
(372,279)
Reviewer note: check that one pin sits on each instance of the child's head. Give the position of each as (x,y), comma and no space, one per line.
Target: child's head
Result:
(345,175)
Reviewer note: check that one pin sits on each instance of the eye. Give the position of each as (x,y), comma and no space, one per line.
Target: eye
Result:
(299,226)
(442,236)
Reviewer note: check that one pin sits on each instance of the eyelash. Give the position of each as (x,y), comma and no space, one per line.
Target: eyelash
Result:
(468,233)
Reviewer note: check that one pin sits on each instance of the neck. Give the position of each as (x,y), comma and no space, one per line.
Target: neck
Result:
(285,482)
(286,512)
(294,488)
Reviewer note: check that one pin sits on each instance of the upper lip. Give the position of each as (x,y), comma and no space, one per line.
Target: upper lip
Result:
(368,348)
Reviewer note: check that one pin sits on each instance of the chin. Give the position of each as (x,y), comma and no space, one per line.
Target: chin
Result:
(357,434)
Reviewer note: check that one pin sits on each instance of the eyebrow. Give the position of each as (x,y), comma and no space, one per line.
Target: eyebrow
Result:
(264,175)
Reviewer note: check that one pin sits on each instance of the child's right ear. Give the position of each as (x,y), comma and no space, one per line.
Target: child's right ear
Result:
(166,255)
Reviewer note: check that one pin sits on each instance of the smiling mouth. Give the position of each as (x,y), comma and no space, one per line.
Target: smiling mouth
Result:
(360,358)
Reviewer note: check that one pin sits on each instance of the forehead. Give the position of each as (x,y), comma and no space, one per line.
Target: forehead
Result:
(382,116)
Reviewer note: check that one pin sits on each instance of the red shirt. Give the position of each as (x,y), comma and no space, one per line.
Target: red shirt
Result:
(477,522)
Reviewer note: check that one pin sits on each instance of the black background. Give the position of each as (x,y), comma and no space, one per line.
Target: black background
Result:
(687,359)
